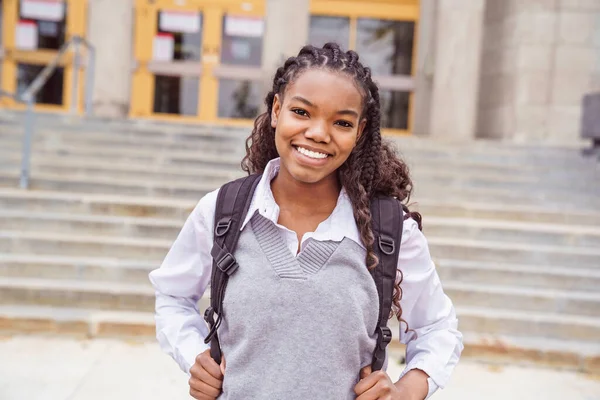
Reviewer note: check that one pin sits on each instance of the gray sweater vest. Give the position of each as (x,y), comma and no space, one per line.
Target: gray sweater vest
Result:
(296,327)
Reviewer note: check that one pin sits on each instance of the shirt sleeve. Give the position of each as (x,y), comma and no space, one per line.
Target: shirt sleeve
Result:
(180,282)
(433,342)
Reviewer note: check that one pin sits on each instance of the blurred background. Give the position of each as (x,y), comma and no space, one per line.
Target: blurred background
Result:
(117,116)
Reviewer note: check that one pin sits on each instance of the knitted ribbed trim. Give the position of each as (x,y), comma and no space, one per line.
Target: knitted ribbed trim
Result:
(310,261)
(272,244)
(315,255)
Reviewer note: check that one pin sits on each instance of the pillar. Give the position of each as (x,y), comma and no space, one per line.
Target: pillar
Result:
(424,67)
(287,23)
(458,40)
(110,30)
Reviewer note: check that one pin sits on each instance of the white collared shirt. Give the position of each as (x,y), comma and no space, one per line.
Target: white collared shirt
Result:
(185,273)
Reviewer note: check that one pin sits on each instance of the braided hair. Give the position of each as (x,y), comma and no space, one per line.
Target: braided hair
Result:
(372,169)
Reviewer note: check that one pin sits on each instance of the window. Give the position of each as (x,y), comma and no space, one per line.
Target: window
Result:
(51,92)
(325,29)
(176,95)
(386,46)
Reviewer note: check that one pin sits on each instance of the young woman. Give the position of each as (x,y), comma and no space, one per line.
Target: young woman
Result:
(300,312)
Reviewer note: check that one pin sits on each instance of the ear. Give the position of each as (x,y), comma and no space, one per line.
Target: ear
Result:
(276,109)
(361,127)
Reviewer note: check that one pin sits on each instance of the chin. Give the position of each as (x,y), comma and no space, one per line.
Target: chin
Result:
(306,176)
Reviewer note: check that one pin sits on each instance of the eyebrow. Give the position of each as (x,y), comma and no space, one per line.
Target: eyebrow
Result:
(340,112)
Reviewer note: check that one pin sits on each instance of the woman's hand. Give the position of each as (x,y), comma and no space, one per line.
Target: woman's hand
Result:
(378,386)
(206,378)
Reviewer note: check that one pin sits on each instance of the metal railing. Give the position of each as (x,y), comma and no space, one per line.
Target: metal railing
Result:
(29,95)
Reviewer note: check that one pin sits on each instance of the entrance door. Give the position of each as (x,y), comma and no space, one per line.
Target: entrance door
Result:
(197,60)
(32,33)
(383,33)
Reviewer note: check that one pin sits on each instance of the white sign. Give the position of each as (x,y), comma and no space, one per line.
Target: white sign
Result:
(46,10)
(179,21)
(244,26)
(163,48)
(27,35)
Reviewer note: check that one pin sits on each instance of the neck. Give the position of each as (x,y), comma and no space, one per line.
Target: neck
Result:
(305,198)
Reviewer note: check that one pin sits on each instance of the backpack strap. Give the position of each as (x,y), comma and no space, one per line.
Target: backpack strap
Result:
(387,222)
(233,202)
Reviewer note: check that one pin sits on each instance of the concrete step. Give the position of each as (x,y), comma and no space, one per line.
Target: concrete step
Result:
(81,322)
(103,204)
(73,268)
(524,298)
(137,227)
(528,324)
(86,166)
(577,169)
(513,253)
(89,323)
(149,128)
(559,214)
(128,297)
(77,294)
(95,204)
(421,167)
(133,155)
(102,185)
(201,137)
(24,242)
(564,354)
(488,149)
(531,196)
(194,189)
(558,235)
(519,276)
(512,231)
(577,179)
(82,165)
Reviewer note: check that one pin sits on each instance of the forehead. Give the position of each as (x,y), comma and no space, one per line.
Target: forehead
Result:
(327,89)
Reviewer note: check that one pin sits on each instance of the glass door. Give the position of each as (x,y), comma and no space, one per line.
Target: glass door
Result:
(239,72)
(197,60)
(32,33)
(169,51)
(383,33)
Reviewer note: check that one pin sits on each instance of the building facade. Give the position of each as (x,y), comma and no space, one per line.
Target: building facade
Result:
(513,69)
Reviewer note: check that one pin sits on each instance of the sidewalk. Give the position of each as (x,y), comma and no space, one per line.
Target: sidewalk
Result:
(36,368)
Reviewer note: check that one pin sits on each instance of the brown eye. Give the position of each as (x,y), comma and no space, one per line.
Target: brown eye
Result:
(345,124)
(300,112)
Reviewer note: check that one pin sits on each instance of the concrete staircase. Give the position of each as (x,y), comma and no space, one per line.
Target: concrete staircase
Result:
(514,231)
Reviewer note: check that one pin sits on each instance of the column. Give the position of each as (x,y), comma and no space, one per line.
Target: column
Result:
(424,67)
(458,35)
(287,23)
(110,30)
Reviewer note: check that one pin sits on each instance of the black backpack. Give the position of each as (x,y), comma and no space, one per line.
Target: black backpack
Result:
(233,202)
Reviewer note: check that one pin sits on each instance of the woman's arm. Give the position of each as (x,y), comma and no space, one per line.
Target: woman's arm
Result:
(433,341)
(180,282)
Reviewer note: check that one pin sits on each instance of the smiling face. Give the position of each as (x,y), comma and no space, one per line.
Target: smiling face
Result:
(317,124)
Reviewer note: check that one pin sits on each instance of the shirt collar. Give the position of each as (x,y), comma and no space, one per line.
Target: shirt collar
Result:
(337,226)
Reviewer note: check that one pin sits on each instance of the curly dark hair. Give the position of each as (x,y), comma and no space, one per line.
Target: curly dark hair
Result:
(372,169)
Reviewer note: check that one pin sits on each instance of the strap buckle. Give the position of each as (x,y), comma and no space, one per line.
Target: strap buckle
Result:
(387,245)
(227,264)
(384,336)
(209,316)
(223,227)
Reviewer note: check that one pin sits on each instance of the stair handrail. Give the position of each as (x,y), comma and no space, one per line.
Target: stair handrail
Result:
(29,94)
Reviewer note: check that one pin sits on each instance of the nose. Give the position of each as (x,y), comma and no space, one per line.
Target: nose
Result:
(318,131)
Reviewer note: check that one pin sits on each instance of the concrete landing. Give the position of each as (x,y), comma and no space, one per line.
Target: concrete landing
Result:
(35,367)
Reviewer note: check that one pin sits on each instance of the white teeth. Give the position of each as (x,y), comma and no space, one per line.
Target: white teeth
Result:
(311,154)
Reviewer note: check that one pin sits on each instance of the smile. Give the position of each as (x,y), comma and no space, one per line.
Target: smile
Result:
(312,154)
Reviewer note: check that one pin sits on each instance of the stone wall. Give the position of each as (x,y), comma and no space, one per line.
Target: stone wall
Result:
(539,58)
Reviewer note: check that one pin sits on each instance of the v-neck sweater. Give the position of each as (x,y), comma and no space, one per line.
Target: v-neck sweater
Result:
(277,304)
